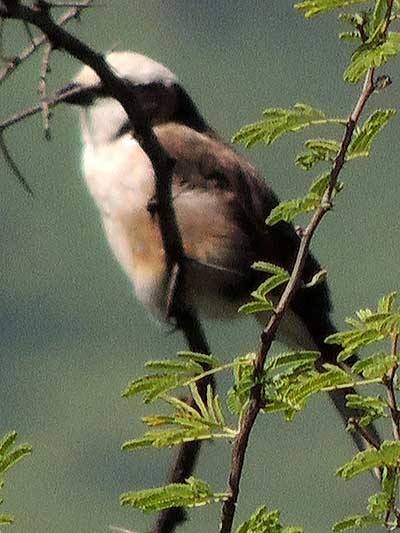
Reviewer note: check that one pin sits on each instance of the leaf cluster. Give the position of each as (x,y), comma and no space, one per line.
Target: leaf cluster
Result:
(170,374)
(9,457)
(205,420)
(380,505)
(368,327)
(193,493)
(263,521)
(261,302)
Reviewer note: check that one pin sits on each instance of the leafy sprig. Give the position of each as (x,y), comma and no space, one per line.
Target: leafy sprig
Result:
(10,455)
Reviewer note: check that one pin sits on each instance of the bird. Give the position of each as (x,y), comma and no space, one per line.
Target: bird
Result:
(221,203)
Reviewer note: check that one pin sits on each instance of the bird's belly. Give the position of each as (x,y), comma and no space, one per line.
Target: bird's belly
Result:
(137,245)
(120,178)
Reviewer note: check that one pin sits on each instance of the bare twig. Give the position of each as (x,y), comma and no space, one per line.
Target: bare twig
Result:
(77,5)
(11,163)
(45,68)
(39,41)
(34,110)
(268,335)
(121,529)
(163,166)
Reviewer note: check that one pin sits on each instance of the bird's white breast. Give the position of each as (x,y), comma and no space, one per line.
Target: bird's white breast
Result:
(120,178)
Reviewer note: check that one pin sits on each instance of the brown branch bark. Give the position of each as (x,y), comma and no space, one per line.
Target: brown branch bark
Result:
(186,319)
(39,41)
(391,392)
(256,400)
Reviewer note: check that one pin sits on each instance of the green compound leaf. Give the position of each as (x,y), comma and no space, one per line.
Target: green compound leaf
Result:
(153,386)
(379,503)
(279,121)
(364,136)
(255,307)
(287,211)
(319,150)
(375,366)
(162,439)
(7,441)
(176,374)
(367,403)
(262,303)
(291,359)
(190,494)
(369,327)
(349,35)
(206,421)
(373,408)
(269,284)
(352,522)
(6,519)
(175,365)
(385,304)
(9,458)
(331,379)
(316,7)
(388,455)
(270,268)
(372,55)
(203,359)
(244,380)
(263,521)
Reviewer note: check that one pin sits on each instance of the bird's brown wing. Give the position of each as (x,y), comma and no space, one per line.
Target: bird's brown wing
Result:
(227,228)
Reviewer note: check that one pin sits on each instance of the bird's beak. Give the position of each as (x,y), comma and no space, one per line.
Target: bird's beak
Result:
(75,94)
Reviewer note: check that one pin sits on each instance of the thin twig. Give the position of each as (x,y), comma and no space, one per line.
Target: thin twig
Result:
(268,335)
(392,400)
(11,163)
(34,110)
(76,5)
(121,529)
(45,68)
(39,41)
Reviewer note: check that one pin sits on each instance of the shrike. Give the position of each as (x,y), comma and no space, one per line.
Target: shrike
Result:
(220,200)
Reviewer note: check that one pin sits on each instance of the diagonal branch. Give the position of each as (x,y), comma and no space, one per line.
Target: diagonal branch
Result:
(256,402)
(186,319)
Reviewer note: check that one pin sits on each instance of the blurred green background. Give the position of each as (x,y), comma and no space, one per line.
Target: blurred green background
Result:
(72,334)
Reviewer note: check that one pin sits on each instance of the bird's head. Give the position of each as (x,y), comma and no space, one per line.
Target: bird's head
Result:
(156,88)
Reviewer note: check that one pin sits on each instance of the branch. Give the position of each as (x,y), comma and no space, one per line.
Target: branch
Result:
(39,41)
(389,382)
(45,69)
(163,166)
(256,402)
